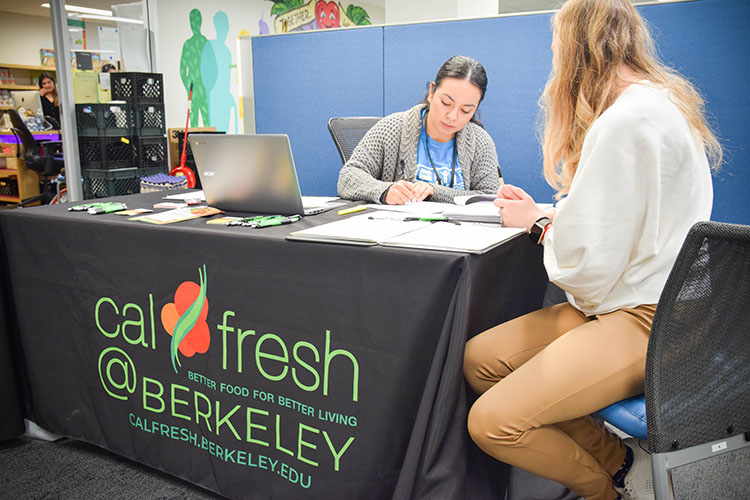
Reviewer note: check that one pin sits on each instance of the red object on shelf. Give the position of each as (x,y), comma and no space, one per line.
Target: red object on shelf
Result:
(183,157)
(186,172)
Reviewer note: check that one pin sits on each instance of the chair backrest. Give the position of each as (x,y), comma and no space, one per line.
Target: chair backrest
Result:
(698,364)
(21,130)
(698,361)
(347,132)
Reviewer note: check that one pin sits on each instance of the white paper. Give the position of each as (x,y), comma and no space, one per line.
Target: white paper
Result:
(482,208)
(192,195)
(360,229)
(417,207)
(464,199)
(465,237)
(317,201)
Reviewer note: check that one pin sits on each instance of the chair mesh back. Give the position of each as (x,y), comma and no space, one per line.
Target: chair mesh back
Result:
(698,363)
(27,140)
(347,132)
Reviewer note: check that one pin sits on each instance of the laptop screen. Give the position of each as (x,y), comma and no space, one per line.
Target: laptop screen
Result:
(247,173)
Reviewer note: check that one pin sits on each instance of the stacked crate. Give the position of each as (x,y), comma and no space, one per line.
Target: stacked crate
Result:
(124,140)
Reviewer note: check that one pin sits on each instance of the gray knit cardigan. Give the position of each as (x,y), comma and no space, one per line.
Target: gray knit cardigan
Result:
(375,162)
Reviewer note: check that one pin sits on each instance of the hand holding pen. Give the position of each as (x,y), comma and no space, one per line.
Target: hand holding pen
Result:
(408,189)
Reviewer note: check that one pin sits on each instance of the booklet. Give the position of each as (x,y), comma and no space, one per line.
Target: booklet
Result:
(485,212)
(178,214)
(467,238)
(362,229)
(468,199)
(388,229)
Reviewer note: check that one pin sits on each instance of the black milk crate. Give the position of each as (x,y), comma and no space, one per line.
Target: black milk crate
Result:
(138,87)
(150,151)
(99,183)
(104,119)
(106,152)
(116,182)
(8,186)
(149,119)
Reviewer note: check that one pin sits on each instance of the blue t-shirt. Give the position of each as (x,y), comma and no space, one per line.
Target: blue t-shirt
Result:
(442,157)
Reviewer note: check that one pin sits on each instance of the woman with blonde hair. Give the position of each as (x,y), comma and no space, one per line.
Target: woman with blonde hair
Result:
(627,147)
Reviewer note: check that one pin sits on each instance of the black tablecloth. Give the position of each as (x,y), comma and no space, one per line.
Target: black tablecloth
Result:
(254,366)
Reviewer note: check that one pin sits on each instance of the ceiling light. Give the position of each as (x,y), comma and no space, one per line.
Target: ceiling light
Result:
(84,10)
(114,19)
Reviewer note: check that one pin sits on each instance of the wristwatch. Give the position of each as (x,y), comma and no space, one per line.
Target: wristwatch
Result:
(537,229)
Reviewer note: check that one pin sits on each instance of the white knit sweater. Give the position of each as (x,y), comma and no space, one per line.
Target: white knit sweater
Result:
(642,182)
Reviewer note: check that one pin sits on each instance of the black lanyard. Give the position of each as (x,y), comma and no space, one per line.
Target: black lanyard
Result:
(429,157)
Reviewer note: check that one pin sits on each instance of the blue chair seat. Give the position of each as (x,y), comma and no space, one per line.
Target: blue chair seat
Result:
(628,415)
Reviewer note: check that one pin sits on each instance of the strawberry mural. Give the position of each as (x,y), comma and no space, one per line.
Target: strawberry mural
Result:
(296,15)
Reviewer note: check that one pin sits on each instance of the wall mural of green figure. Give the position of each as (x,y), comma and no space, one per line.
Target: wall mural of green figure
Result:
(216,64)
(190,69)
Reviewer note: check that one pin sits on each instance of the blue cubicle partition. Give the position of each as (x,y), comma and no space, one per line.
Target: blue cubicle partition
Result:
(301,80)
(515,52)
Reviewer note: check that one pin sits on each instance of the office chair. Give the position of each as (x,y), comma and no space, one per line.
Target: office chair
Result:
(41,156)
(698,368)
(347,132)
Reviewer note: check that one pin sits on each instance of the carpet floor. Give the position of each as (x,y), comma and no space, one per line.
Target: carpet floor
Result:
(67,469)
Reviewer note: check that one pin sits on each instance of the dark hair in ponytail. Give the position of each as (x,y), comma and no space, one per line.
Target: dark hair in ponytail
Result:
(462,68)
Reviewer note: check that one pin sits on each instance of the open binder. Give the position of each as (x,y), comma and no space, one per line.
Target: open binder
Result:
(372,230)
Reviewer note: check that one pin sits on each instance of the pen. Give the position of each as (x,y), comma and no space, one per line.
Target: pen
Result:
(432,218)
(116,207)
(352,210)
(277,221)
(427,218)
(86,207)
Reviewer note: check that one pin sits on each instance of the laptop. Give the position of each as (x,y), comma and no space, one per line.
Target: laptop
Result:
(252,173)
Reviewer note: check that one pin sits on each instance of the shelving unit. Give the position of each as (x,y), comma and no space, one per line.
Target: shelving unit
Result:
(11,167)
(27,181)
(24,75)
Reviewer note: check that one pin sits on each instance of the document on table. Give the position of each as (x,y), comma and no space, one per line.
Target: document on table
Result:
(177,215)
(363,229)
(475,212)
(191,195)
(415,207)
(468,238)
(321,202)
(387,230)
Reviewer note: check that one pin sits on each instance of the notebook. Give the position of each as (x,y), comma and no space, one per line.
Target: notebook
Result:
(382,228)
(251,173)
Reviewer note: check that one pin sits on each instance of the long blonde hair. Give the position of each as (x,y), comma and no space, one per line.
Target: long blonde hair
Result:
(594,39)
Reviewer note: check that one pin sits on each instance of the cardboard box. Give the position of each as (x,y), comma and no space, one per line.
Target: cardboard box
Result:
(174,152)
(10,163)
(8,149)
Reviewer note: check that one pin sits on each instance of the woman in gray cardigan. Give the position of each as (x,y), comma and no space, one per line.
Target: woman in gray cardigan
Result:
(433,151)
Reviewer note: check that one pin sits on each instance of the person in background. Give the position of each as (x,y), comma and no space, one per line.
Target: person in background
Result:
(108,68)
(434,151)
(627,144)
(49,98)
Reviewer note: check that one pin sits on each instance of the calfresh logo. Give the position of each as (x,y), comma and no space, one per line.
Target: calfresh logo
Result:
(185,320)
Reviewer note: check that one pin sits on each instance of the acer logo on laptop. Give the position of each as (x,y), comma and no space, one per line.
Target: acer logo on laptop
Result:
(207,173)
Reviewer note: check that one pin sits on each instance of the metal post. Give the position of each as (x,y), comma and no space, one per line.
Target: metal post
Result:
(59,22)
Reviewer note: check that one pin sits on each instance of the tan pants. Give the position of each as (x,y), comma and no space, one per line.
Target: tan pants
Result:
(541,375)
